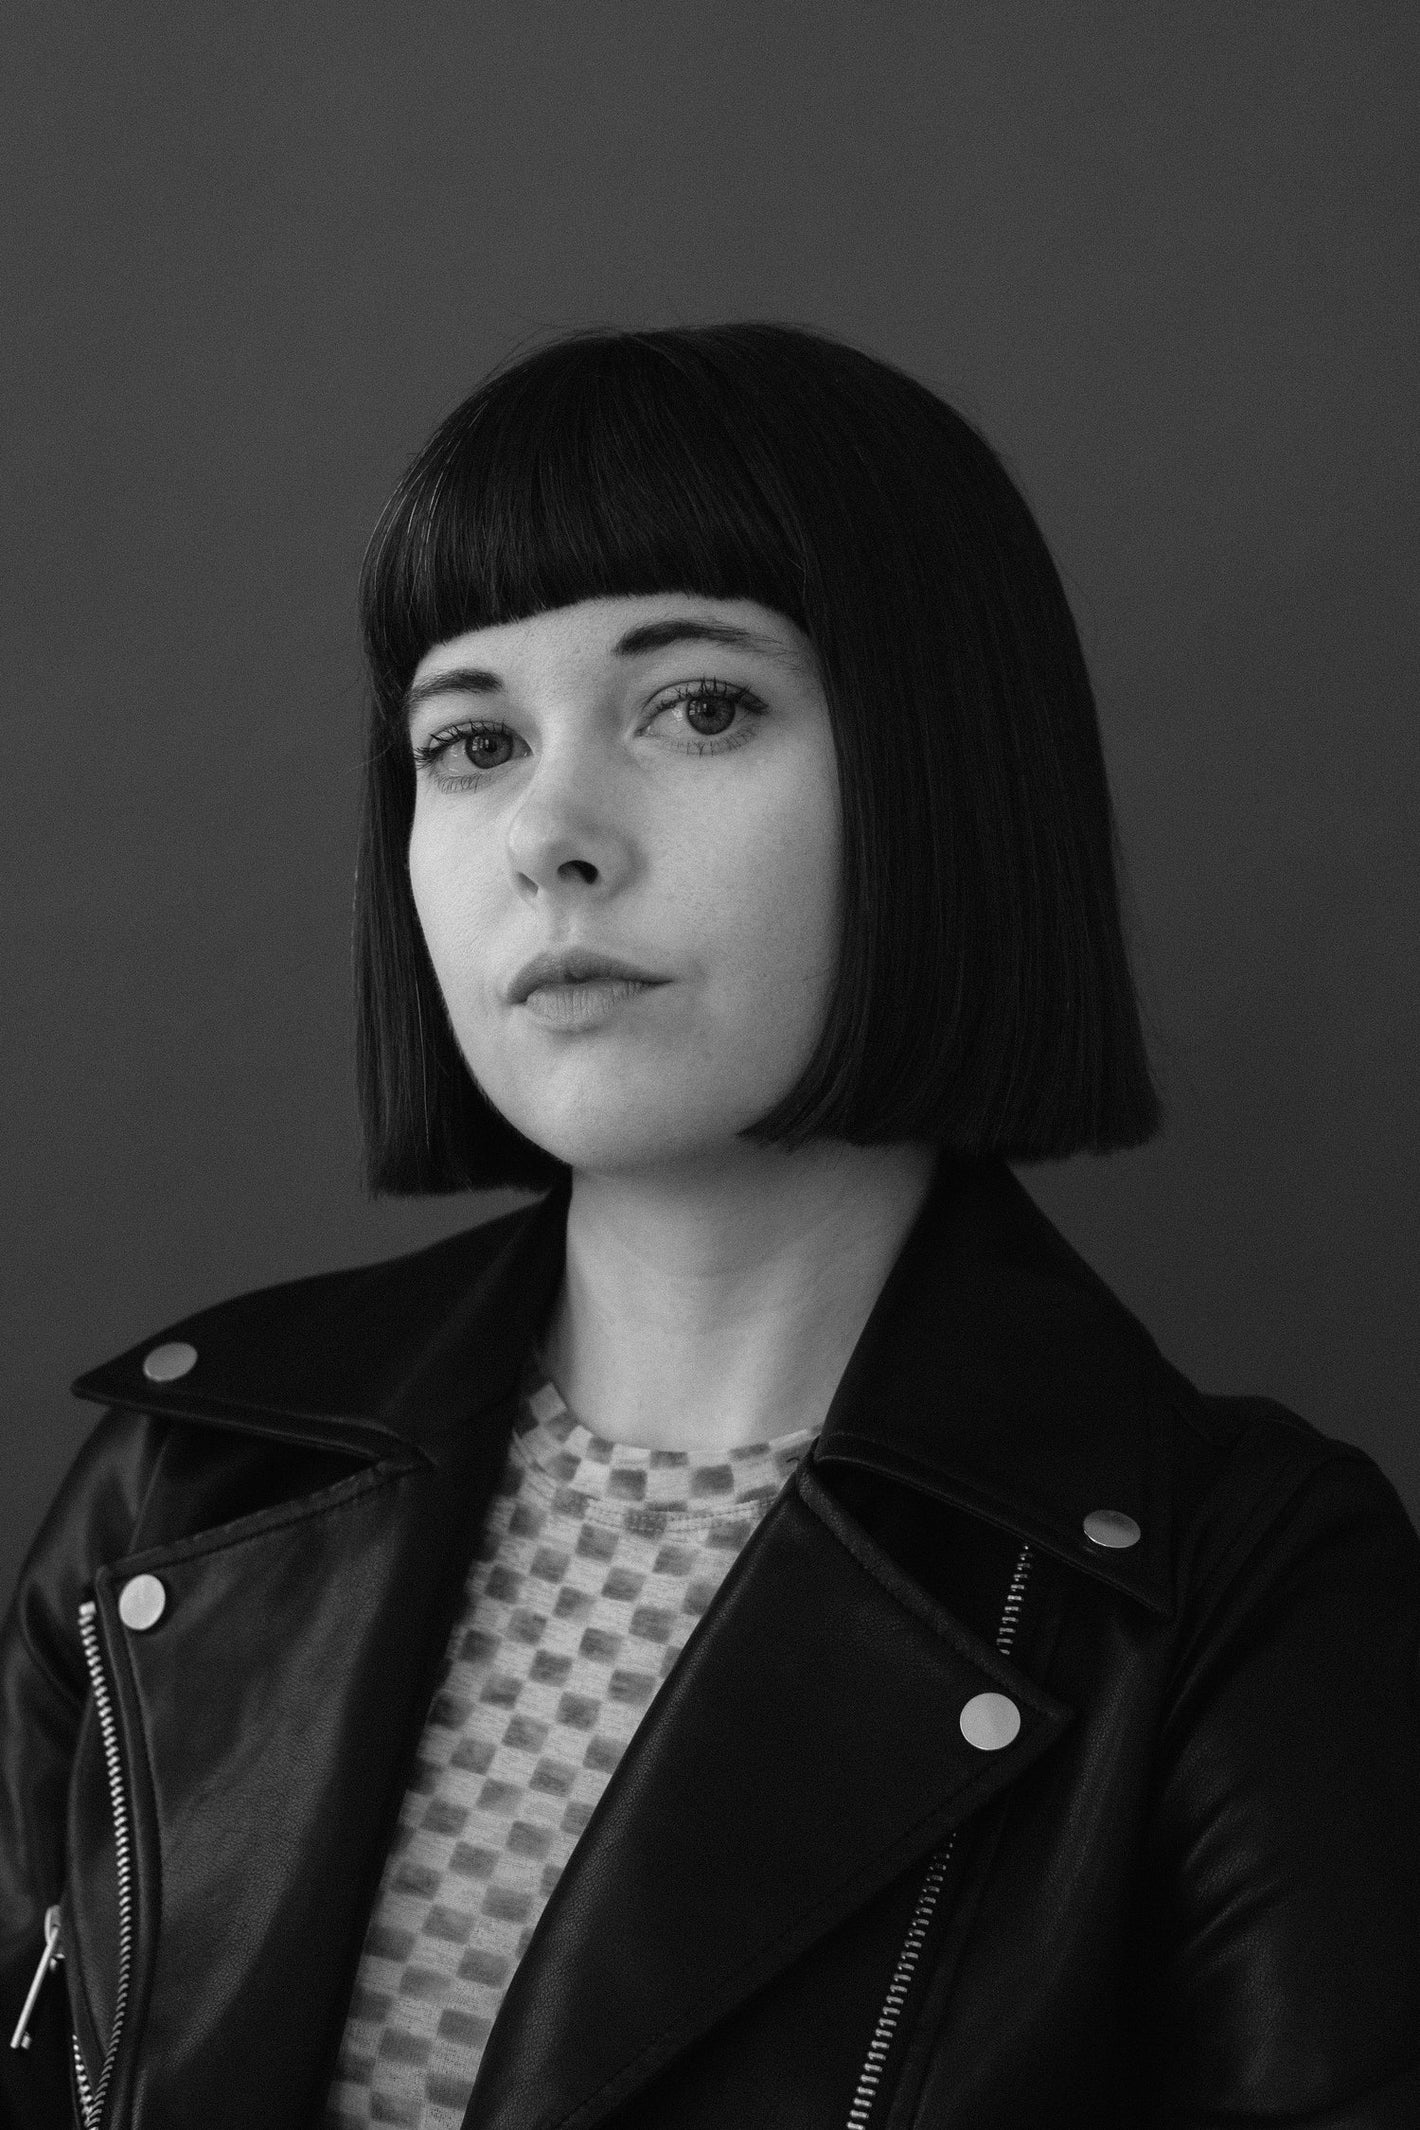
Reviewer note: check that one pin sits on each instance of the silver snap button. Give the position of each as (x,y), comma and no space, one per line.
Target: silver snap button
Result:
(990,1721)
(1111,1527)
(142,1603)
(166,1363)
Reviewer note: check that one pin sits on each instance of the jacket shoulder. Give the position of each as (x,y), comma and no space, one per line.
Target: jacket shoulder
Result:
(1246,1472)
(330,1347)
(1233,1472)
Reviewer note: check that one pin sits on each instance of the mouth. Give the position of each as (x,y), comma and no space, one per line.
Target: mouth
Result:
(573,967)
(586,1002)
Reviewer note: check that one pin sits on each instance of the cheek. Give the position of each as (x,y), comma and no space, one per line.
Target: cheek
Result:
(444,882)
(769,894)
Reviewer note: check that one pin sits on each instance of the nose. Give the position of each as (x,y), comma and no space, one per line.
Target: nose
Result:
(567,834)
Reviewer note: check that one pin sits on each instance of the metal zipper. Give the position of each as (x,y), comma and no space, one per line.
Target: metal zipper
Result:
(92,2098)
(866,2091)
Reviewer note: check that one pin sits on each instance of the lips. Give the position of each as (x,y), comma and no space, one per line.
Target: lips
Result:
(576,965)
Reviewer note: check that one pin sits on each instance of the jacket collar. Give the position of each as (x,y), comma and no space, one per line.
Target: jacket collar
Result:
(996,1370)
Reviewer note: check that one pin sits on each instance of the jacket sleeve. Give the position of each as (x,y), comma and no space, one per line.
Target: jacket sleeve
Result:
(43,1695)
(1280,1921)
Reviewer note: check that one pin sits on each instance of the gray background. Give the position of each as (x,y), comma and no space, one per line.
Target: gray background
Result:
(1165,255)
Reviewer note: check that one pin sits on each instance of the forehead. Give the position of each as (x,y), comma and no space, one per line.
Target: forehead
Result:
(596,630)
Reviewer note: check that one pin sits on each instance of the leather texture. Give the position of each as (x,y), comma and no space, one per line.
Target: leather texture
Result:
(1186,1894)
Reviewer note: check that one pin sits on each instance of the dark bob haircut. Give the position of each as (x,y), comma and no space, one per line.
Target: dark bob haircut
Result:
(984,1001)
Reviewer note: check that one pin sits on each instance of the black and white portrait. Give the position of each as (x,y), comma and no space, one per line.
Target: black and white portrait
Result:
(710,1011)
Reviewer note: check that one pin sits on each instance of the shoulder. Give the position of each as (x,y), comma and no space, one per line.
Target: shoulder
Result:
(1225,1474)
(315,1315)
(341,1356)
(1261,1498)
(279,1390)
(1233,1465)
(1077,1396)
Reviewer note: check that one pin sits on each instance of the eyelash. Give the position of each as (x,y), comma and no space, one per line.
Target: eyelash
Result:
(429,753)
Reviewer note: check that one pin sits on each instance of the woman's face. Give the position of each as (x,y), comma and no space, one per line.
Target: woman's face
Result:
(652,779)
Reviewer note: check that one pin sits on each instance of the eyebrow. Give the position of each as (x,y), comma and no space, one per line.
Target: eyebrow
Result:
(651,636)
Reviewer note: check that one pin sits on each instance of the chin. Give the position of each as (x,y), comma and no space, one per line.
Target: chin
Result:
(624,1136)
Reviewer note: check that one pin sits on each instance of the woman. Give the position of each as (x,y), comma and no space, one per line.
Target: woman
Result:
(761,1635)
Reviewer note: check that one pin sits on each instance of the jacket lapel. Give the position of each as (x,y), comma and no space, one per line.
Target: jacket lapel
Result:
(806,1748)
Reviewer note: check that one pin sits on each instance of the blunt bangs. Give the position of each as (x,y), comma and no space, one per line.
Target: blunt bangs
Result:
(984,1000)
(596,469)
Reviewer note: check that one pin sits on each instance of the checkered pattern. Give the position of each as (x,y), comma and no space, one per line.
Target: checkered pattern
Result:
(596,1560)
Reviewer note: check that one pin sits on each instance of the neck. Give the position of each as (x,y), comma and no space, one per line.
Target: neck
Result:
(711,1306)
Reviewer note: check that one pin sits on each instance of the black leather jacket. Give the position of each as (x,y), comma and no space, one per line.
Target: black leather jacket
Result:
(1185,1892)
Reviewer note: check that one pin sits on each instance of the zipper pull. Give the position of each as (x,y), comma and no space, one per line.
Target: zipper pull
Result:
(48,1960)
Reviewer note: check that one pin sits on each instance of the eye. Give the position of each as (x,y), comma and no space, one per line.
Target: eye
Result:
(710,708)
(458,754)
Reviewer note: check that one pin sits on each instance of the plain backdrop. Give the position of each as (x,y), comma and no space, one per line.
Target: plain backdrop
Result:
(1164,254)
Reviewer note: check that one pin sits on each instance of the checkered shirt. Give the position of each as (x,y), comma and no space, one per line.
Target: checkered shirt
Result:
(596,1560)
